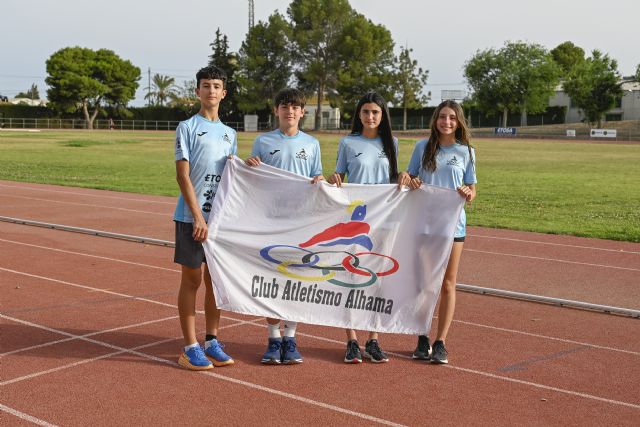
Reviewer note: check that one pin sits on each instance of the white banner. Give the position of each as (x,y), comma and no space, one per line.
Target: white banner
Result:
(367,257)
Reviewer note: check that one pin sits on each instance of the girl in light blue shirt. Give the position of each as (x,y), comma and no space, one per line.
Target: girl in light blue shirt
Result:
(368,155)
(445,159)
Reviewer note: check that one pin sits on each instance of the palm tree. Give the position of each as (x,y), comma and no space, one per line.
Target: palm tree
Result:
(163,87)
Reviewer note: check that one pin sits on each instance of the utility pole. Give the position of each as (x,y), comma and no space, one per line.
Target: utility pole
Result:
(149,87)
(251,14)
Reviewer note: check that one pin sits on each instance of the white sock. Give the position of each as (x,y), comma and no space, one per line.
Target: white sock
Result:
(190,346)
(290,329)
(274,330)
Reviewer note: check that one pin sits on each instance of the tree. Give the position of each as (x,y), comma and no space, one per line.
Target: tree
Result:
(567,55)
(410,80)
(366,64)
(316,29)
(265,63)
(638,73)
(81,78)
(184,96)
(227,61)
(519,77)
(162,88)
(32,93)
(594,86)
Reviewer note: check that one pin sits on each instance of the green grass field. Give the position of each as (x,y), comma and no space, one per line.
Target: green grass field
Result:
(547,186)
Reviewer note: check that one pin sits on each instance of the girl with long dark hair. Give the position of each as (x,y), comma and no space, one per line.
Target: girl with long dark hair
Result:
(368,155)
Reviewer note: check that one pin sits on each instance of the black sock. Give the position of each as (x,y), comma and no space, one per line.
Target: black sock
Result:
(210,337)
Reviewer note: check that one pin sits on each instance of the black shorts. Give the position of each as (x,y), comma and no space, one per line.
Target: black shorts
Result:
(189,252)
(459,239)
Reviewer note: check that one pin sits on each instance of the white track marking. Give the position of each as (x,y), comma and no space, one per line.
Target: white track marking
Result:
(25,417)
(101,196)
(547,337)
(553,244)
(166,214)
(134,351)
(88,255)
(106,331)
(554,260)
(312,336)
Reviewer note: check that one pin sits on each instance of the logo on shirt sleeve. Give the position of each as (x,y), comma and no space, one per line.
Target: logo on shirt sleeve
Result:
(226,138)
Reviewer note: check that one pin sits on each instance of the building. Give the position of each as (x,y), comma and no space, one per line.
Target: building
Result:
(330,117)
(627,108)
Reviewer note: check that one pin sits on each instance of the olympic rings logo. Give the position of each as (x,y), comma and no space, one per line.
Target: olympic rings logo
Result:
(350,263)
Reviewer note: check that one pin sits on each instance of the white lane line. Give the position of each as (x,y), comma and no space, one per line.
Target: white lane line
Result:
(509,379)
(88,255)
(230,318)
(621,251)
(166,214)
(76,285)
(25,417)
(120,328)
(284,394)
(407,357)
(547,337)
(134,351)
(101,196)
(554,260)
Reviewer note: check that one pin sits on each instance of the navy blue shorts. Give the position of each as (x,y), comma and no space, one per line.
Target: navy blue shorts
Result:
(189,252)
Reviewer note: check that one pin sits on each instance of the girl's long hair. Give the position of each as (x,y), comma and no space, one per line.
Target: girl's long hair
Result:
(384,130)
(433,144)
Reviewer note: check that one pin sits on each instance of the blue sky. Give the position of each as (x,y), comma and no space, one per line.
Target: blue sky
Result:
(173,38)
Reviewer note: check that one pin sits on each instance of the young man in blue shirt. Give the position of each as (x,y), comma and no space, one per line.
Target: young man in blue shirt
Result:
(203,145)
(290,149)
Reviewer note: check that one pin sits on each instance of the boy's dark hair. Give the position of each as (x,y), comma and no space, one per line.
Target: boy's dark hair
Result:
(289,96)
(211,72)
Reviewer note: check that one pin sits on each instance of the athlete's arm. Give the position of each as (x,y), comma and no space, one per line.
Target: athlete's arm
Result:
(316,179)
(189,195)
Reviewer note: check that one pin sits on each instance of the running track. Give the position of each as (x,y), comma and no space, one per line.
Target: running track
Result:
(90,334)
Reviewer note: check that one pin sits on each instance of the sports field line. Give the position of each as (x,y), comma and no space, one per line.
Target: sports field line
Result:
(259,387)
(106,331)
(164,214)
(134,351)
(619,251)
(230,318)
(553,260)
(89,255)
(101,196)
(25,417)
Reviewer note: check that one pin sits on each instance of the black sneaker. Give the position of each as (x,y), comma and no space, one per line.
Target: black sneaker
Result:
(423,350)
(373,352)
(439,354)
(353,353)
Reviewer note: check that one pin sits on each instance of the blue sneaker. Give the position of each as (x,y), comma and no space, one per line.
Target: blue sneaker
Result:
(273,354)
(216,354)
(290,354)
(194,359)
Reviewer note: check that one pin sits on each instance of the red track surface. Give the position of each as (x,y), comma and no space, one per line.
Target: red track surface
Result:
(90,334)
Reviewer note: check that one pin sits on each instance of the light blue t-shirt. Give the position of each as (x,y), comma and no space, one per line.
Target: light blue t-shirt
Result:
(454,168)
(298,154)
(205,144)
(363,160)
